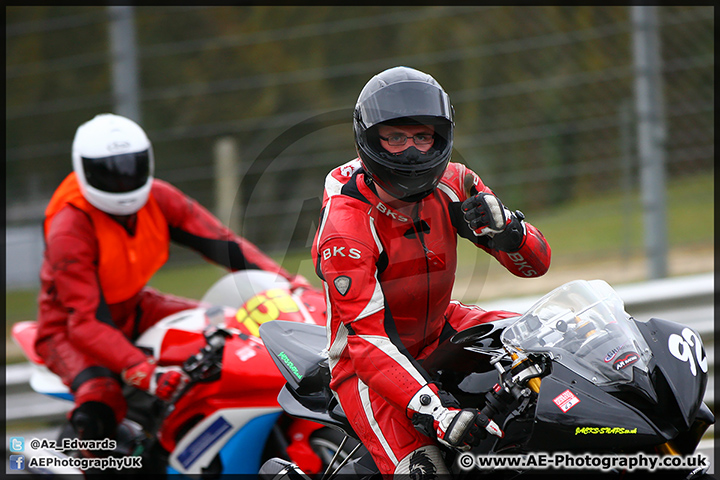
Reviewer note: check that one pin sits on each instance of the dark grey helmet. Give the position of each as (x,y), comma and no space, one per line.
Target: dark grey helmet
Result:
(404,96)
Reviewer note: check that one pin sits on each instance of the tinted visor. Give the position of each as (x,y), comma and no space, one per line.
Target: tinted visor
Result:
(404,99)
(118,173)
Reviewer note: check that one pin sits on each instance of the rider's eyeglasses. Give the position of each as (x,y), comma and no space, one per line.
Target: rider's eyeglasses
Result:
(398,139)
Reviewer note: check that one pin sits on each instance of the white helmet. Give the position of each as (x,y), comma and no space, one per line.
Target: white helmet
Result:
(114,164)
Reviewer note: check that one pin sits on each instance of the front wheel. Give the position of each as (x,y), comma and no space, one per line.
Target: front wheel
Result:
(326,441)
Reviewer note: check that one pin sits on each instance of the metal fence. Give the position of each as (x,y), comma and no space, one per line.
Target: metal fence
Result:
(546,98)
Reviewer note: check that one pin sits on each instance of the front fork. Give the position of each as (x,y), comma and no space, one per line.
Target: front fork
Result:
(519,382)
(524,373)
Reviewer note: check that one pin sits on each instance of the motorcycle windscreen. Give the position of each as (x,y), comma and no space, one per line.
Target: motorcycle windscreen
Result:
(236,288)
(583,326)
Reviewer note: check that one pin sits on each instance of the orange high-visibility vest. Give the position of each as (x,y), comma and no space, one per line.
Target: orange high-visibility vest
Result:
(126,263)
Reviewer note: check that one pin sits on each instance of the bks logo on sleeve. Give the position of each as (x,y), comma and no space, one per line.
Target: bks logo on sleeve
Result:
(353,253)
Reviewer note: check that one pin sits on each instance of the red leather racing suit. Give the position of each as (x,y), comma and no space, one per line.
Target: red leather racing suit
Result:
(83,336)
(388,275)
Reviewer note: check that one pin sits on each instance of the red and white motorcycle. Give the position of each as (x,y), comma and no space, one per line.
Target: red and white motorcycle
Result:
(227,420)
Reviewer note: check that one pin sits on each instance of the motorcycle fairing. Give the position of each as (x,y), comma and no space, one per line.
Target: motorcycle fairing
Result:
(42,380)
(688,388)
(596,420)
(476,343)
(322,407)
(234,388)
(297,350)
(152,340)
(197,449)
(242,454)
(236,288)
(248,383)
(24,334)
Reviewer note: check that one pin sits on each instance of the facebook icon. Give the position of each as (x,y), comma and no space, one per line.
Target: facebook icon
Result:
(17,462)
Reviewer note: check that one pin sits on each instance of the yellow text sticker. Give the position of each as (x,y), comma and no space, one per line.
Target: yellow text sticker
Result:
(265,307)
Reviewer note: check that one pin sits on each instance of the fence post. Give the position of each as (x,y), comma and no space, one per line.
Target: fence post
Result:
(123,49)
(628,206)
(228,205)
(651,135)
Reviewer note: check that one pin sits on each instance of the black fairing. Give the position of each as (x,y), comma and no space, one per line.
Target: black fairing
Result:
(657,407)
(645,419)
(580,427)
(662,406)
(452,355)
(307,393)
(687,389)
(296,350)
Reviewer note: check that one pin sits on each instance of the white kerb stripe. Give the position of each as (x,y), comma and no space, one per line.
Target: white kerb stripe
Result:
(365,399)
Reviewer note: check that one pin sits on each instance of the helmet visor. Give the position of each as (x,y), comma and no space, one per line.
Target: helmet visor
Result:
(118,173)
(404,99)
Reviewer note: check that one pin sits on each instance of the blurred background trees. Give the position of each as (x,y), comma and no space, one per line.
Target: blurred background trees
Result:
(544,101)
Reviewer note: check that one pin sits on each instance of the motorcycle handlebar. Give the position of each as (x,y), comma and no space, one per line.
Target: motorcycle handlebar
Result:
(200,366)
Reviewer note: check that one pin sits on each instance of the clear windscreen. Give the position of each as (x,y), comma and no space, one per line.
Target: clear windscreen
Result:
(583,326)
(234,289)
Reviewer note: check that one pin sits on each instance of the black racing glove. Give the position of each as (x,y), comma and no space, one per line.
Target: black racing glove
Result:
(487,216)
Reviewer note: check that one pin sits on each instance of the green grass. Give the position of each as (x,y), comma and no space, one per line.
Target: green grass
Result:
(592,228)
(599,226)
(189,281)
(610,223)
(20,305)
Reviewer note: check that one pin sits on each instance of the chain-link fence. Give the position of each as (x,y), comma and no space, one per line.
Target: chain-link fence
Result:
(545,97)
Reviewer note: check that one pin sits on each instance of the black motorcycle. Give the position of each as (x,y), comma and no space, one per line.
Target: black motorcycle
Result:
(575,378)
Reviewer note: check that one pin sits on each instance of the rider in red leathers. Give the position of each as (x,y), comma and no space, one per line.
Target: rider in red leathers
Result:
(107,230)
(385,250)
